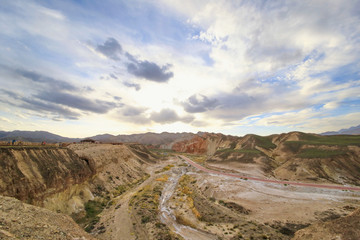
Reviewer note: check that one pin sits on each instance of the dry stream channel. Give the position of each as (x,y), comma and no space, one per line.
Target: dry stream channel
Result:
(167,215)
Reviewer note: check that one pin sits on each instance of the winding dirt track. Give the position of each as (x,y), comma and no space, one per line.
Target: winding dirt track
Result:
(339,187)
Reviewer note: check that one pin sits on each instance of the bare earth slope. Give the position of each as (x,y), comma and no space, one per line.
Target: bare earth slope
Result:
(346,228)
(292,156)
(23,221)
(115,164)
(33,173)
(309,157)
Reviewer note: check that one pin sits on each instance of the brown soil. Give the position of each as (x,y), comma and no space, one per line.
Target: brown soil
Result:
(23,221)
(347,228)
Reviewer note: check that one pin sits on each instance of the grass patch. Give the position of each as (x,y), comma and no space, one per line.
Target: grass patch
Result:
(198,158)
(264,142)
(294,146)
(247,151)
(244,155)
(92,210)
(335,140)
(162,151)
(319,153)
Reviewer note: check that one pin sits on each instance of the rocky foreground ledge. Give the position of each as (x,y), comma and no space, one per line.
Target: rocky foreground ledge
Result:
(19,220)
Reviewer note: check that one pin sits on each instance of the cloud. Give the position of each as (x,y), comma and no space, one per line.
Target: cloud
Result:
(139,68)
(78,102)
(46,107)
(55,84)
(113,76)
(169,116)
(313,119)
(133,111)
(111,49)
(132,85)
(134,115)
(56,97)
(14,99)
(199,103)
(150,71)
(287,56)
(3,119)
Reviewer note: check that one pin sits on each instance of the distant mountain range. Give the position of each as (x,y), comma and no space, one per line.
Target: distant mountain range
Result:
(349,131)
(143,138)
(34,136)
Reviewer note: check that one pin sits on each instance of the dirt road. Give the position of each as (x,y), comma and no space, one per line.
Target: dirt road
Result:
(339,187)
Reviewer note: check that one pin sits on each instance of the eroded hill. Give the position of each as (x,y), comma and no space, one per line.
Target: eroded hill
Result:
(72,180)
(32,174)
(125,191)
(291,156)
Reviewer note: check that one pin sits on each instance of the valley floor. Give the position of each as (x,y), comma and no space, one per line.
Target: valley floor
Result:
(179,201)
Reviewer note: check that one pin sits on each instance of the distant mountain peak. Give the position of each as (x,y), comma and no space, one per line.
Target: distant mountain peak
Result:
(347,131)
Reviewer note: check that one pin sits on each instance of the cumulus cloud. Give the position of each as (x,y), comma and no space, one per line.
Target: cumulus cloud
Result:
(140,68)
(130,111)
(111,49)
(150,71)
(199,103)
(133,114)
(169,116)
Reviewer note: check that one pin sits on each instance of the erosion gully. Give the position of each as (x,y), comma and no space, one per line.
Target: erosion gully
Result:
(167,215)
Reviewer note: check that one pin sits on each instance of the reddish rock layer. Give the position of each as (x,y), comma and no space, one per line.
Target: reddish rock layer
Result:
(196,145)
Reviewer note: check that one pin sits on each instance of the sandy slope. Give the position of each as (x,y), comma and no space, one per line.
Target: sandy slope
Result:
(23,221)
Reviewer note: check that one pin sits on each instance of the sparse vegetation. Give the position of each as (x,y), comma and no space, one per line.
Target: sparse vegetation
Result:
(319,153)
(164,178)
(294,146)
(162,153)
(335,140)
(120,189)
(92,210)
(199,158)
(264,142)
(247,151)
(166,168)
(145,209)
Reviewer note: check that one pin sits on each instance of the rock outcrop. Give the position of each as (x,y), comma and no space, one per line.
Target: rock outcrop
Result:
(205,143)
(196,145)
(32,174)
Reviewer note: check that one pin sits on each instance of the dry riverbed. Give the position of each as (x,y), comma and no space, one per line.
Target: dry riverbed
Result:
(179,202)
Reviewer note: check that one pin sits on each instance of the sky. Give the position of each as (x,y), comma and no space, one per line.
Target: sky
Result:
(82,68)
